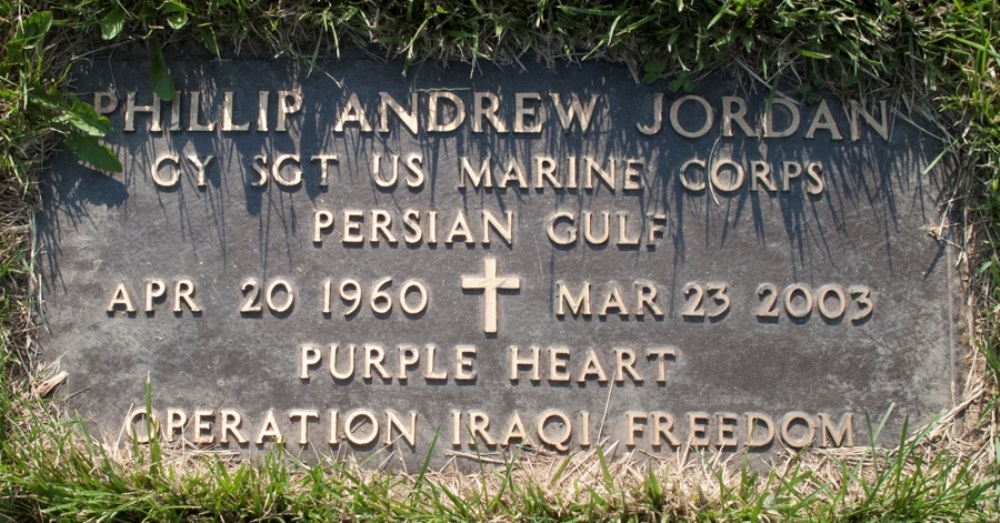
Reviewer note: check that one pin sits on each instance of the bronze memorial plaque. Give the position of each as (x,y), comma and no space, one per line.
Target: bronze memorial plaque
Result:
(356,259)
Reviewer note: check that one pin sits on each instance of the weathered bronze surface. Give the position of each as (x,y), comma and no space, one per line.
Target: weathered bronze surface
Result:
(665,270)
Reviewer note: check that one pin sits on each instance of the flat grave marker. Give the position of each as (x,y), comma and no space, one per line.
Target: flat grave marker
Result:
(352,261)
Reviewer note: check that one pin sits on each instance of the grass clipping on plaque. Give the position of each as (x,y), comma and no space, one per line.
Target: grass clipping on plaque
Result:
(939,55)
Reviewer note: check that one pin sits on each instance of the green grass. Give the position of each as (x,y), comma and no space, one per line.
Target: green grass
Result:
(48,475)
(938,54)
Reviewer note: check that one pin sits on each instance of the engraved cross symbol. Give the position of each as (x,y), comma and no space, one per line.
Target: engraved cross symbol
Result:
(490,284)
